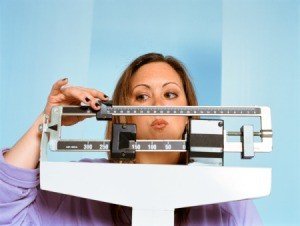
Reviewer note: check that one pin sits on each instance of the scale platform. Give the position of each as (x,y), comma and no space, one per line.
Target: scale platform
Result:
(155,191)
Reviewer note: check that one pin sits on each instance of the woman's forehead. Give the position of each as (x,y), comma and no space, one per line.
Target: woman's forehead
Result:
(156,73)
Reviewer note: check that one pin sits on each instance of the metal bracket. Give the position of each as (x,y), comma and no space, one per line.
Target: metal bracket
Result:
(206,142)
(103,114)
(247,141)
(122,134)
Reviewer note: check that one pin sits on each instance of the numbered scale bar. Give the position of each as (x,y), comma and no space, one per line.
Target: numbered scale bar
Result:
(184,110)
(140,145)
(109,111)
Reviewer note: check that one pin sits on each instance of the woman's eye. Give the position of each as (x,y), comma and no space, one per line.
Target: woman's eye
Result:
(170,95)
(141,97)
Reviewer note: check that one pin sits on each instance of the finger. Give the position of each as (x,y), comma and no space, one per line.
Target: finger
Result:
(95,104)
(92,102)
(56,88)
(93,96)
(81,95)
(97,94)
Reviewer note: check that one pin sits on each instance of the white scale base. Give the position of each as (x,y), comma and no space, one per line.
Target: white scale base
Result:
(154,191)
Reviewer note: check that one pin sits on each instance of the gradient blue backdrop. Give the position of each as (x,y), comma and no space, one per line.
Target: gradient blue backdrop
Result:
(239,52)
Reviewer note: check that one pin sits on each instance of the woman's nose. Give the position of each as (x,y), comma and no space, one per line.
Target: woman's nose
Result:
(158,101)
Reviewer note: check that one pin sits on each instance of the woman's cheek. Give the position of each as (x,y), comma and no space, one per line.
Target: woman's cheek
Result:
(141,126)
(179,126)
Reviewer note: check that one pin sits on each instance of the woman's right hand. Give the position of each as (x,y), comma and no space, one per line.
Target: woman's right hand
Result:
(26,152)
(63,94)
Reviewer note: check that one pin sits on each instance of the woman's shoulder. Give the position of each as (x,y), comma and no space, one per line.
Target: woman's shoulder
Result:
(238,207)
(228,213)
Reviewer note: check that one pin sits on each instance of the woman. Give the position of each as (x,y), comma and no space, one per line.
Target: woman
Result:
(151,79)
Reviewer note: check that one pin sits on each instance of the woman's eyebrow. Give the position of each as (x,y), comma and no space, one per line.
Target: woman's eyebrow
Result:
(171,83)
(147,86)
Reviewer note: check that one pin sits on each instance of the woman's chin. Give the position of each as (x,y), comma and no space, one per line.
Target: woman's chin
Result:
(157,158)
(161,136)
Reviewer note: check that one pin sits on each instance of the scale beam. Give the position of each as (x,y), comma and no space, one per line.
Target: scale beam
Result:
(53,127)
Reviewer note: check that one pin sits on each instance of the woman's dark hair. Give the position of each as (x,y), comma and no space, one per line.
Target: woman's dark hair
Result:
(121,96)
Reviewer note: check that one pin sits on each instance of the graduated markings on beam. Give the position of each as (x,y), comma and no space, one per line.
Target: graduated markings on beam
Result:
(163,110)
(184,110)
(139,145)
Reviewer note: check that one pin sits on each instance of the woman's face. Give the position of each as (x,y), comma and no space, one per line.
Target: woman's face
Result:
(158,84)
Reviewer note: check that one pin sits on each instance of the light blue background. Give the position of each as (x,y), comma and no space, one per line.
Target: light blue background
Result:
(238,52)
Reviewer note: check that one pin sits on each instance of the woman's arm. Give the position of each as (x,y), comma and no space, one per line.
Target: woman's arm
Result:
(26,152)
(19,177)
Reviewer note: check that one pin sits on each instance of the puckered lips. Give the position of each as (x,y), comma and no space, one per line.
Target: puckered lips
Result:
(159,124)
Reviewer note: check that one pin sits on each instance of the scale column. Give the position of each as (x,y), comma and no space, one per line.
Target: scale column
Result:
(148,217)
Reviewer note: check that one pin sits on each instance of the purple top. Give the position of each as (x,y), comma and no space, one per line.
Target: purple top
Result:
(23,203)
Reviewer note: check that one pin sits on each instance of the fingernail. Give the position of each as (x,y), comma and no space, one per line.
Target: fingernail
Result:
(97,105)
(105,96)
(64,79)
(87,99)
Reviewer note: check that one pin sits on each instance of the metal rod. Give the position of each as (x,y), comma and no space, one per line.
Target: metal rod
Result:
(256,134)
(239,134)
